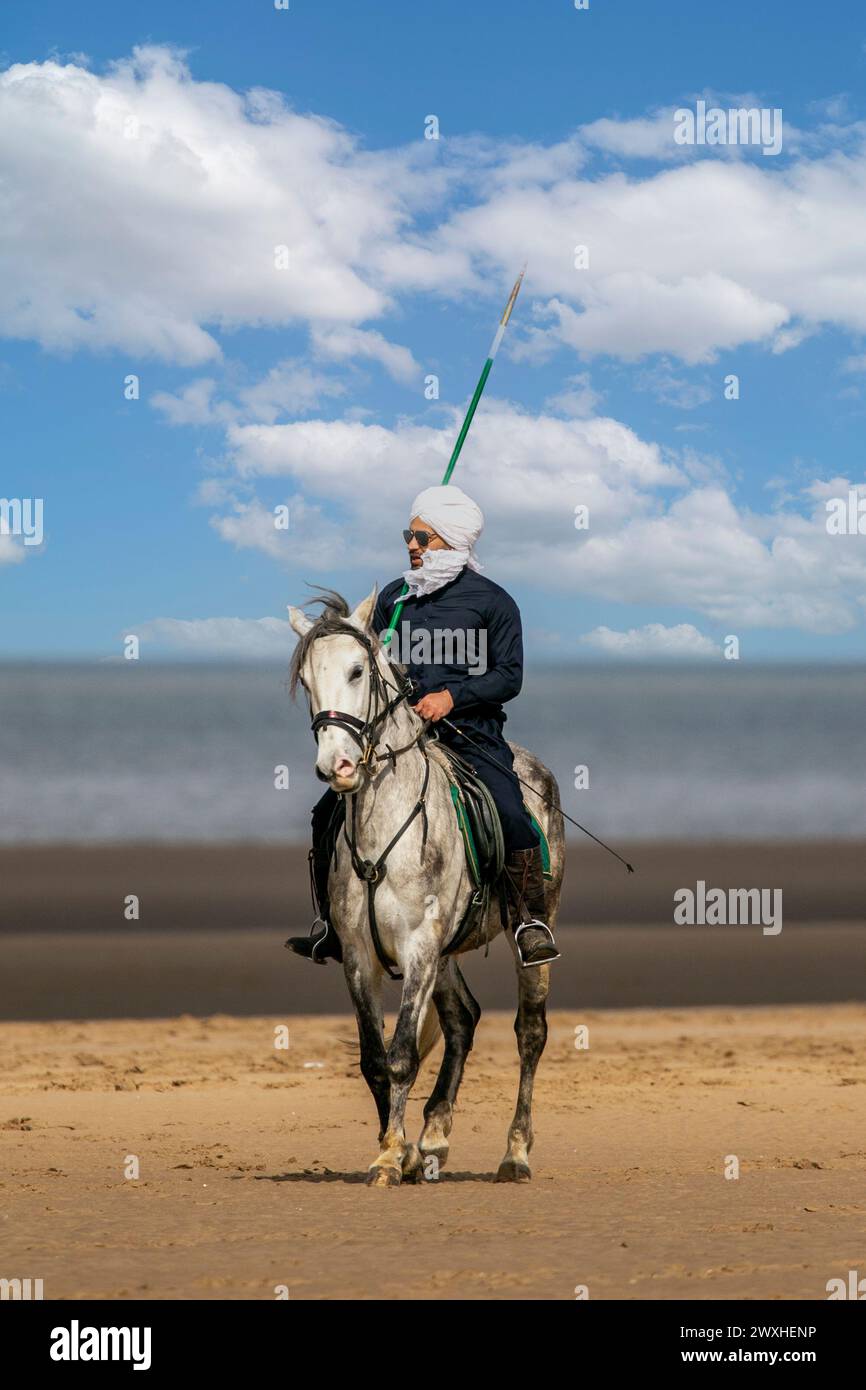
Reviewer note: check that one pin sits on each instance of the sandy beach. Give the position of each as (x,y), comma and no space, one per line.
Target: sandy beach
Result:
(154,1040)
(251,1162)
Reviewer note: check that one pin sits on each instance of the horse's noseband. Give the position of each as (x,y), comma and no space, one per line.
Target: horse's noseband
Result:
(354,726)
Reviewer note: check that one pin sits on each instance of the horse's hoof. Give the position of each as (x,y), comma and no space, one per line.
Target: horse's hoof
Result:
(433,1160)
(513,1170)
(384,1177)
(412,1164)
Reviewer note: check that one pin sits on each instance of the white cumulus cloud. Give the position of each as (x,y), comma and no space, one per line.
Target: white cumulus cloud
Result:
(141,207)
(183,190)
(652,640)
(226,637)
(663,527)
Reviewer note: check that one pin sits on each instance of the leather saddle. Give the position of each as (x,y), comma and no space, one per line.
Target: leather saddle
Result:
(478,819)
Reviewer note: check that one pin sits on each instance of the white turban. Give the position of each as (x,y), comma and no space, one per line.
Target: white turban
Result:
(459,521)
(453,516)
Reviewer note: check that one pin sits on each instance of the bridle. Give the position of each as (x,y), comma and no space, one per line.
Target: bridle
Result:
(364,731)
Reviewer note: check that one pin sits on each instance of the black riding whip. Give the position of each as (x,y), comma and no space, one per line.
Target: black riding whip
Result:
(540,795)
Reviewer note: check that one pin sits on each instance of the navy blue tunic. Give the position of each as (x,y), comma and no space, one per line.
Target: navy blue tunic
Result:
(482,667)
(480,672)
(467,638)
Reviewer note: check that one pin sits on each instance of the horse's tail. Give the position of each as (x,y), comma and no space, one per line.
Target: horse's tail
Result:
(430,1032)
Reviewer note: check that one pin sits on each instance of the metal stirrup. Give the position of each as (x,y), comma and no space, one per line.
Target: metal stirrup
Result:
(320,940)
(529,964)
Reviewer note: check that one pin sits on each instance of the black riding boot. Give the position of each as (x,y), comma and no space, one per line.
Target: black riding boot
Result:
(323,942)
(534,939)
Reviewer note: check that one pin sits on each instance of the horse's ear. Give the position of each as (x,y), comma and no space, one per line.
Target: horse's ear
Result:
(300,621)
(363,614)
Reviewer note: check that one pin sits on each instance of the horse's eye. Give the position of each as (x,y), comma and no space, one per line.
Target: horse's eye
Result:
(356,673)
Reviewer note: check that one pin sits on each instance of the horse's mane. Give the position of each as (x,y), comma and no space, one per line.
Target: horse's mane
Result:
(332,619)
(335,611)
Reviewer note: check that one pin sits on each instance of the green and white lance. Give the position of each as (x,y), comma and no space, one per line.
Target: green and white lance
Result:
(464,429)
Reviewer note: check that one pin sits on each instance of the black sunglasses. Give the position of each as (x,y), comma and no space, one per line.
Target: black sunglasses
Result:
(422,537)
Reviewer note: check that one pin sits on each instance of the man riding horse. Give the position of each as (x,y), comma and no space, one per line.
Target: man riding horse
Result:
(448,596)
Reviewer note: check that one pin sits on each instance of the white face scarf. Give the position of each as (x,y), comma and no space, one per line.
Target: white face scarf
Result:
(437,568)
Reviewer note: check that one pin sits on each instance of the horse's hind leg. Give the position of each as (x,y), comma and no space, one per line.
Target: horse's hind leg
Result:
(530,1026)
(458,1014)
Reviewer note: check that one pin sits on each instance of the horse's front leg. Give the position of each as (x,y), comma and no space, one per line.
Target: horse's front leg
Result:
(402,1061)
(365,986)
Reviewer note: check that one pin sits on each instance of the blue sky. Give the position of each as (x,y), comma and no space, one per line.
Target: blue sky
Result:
(146,190)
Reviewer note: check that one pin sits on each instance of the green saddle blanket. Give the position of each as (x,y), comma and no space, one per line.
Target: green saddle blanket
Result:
(466,832)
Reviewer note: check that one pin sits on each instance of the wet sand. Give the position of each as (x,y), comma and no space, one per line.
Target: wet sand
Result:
(236,887)
(212,921)
(141,974)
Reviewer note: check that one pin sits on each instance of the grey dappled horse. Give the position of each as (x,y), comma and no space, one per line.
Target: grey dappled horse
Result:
(369,750)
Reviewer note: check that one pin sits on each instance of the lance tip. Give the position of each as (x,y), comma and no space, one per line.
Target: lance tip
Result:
(513,296)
